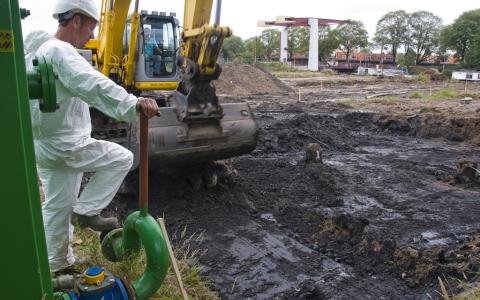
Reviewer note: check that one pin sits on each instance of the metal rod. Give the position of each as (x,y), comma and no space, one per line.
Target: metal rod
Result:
(218,12)
(136,6)
(143,201)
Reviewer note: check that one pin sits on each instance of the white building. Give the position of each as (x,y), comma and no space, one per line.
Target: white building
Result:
(379,71)
(466,75)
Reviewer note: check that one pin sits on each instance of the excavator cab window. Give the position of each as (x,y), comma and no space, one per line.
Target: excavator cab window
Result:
(159,47)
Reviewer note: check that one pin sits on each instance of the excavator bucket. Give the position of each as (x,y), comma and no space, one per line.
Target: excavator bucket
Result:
(175,143)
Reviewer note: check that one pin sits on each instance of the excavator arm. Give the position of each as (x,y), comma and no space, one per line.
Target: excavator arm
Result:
(110,58)
(200,48)
(201,42)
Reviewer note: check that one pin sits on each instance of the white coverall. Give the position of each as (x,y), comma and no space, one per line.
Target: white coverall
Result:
(64,148)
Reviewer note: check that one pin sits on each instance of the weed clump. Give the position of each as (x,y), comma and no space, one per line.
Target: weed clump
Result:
(416,95)
(424,78)
(444,94)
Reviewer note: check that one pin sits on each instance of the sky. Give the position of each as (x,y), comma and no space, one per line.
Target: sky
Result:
(242,16)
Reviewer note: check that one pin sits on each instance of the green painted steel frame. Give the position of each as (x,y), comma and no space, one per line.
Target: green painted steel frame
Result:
(23,254)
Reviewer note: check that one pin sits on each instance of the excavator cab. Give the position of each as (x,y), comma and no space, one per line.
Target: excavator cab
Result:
(157,43)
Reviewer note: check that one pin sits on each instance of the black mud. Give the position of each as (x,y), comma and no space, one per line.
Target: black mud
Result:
(380,218)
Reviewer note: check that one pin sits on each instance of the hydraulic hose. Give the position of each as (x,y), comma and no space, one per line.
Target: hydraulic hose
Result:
(218,12)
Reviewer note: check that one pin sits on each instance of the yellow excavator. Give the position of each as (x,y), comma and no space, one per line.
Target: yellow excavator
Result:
(145,53)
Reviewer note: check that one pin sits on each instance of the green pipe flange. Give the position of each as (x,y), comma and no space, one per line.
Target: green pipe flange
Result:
(41,84)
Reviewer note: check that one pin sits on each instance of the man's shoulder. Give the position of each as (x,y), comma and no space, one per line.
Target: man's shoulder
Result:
(57,44)
(56,48)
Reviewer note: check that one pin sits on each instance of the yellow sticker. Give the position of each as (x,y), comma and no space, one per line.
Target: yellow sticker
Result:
(6,40)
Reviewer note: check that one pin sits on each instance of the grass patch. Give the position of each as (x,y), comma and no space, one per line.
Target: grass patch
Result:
(424,78)
(350,102)
(88,244)
(386,100)
(277,67)
(299,74)
(472,292)
(416,95)
(287,70)
(444,94)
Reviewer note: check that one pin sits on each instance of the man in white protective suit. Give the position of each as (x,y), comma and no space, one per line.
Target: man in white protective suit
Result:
(63,145)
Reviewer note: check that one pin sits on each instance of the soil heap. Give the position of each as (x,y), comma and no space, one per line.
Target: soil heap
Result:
(243,80)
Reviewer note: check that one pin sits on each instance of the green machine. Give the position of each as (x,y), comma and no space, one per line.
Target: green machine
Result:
(23,251)
(25,272)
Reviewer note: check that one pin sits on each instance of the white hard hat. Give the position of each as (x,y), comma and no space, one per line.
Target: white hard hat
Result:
(84,7)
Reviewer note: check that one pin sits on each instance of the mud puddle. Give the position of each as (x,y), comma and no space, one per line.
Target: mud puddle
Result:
(376,220)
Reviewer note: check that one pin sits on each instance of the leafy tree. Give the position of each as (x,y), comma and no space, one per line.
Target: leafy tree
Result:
(254,47)
(472,58)
(391,30)
(232,47)
(406,59)
(367,48)
(298,39)
(271,40)
(425,33)
(463,37)
(327,43)
(352,35)
(448,41)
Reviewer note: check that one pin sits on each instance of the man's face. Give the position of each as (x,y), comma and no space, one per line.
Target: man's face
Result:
(83,30)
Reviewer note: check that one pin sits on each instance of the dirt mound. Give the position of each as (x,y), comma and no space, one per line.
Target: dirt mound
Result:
(452,120)
(455,129)
(435,75)
(241,80)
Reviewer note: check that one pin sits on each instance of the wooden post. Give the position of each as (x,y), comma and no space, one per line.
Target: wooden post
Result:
(173,259)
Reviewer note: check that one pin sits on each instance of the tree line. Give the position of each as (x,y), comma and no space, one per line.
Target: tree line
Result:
(416,35)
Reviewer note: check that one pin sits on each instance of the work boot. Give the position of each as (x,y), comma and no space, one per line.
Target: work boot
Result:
(80,264)
(97,222)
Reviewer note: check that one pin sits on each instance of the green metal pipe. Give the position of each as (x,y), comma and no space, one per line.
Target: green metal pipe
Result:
(136,231)
(157,257)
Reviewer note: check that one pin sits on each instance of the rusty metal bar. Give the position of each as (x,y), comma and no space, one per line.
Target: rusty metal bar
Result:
(143,168)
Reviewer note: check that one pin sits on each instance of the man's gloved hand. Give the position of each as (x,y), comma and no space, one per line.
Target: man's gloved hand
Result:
(148,107)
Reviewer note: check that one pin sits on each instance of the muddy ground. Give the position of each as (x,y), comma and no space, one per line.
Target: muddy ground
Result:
(382,217)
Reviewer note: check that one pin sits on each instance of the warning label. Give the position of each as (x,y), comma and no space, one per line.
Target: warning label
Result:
(6,40)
